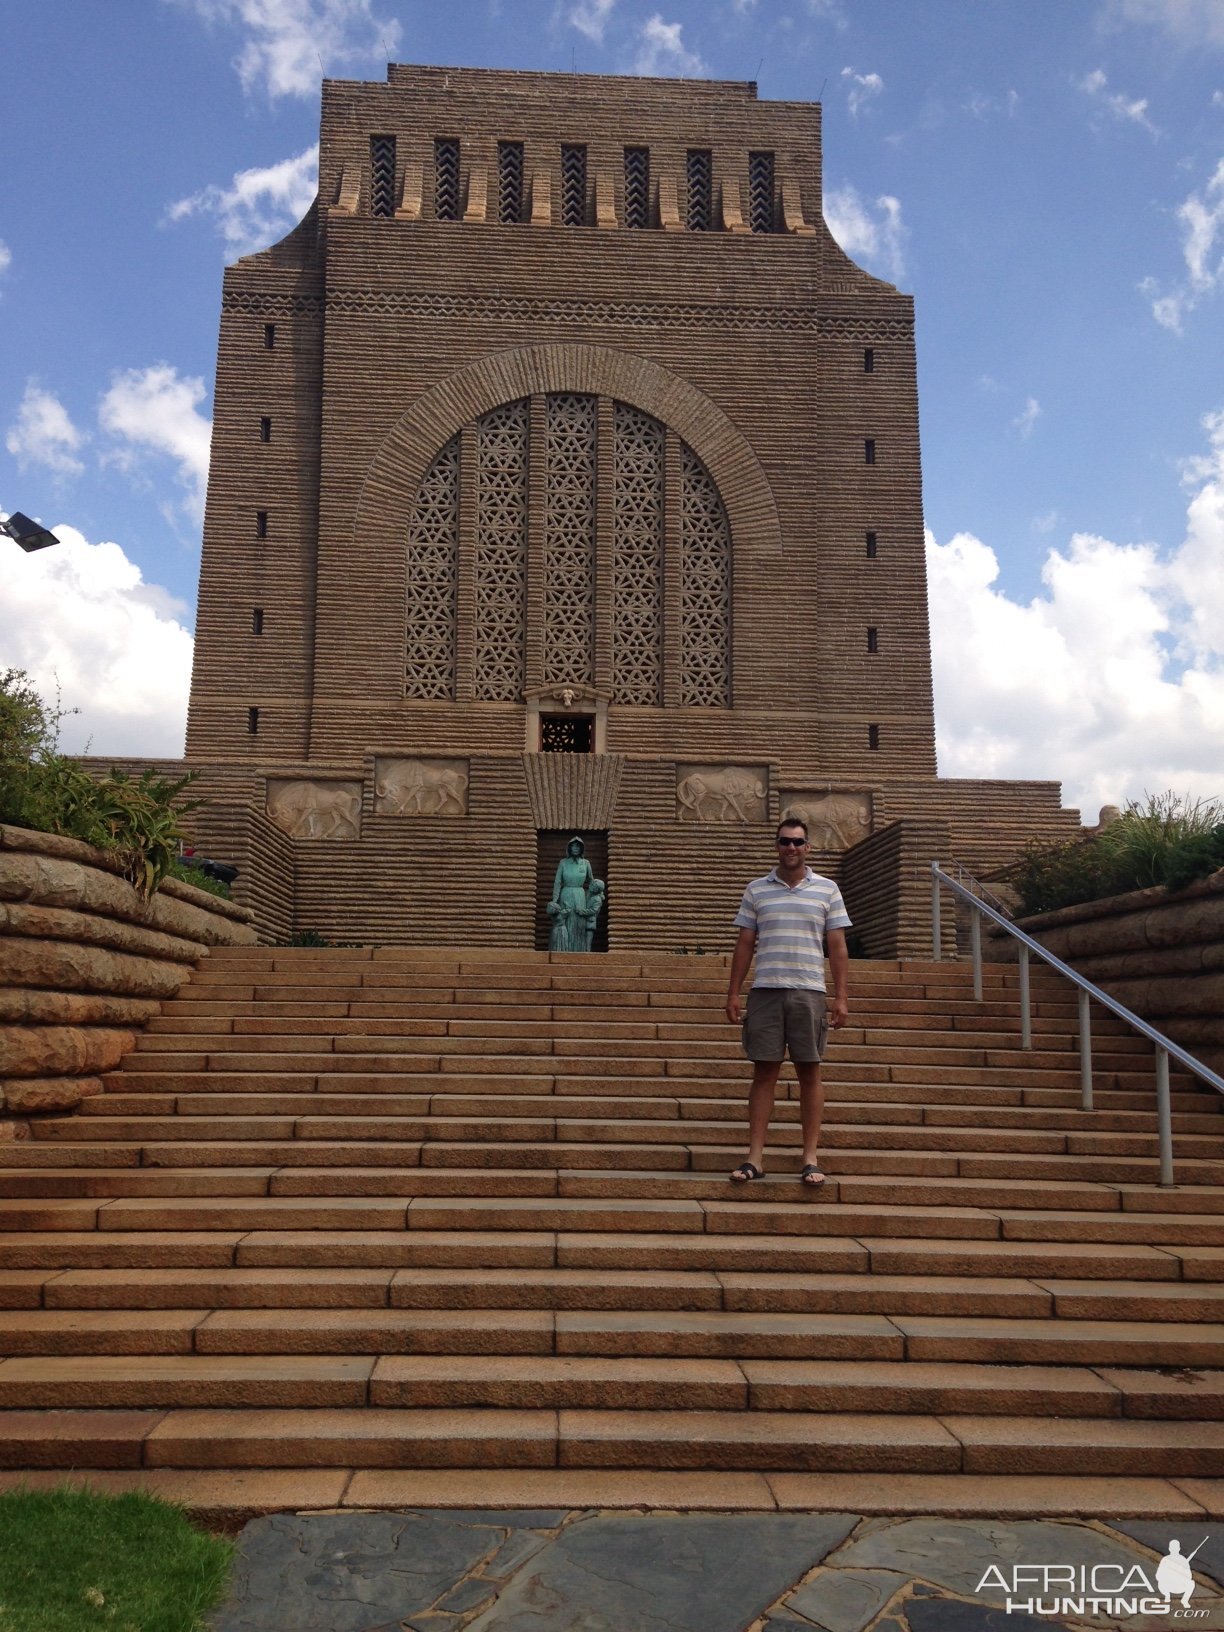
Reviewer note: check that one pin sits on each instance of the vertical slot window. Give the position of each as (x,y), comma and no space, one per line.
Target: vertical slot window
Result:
(761,192)
(637,187)
(257,620)
(873,640)
(869,451)
(868,359)
(253,721)
(872,550)
(269,336)
(261,524)
(446,178)
(699,175)
(382,175)
(873,736)
(509,182)
(265,429)
(573,186)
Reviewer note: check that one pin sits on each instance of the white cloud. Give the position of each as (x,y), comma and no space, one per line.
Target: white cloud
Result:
(1027,417)
(982,106)
(873,234)
(1112,678)
(662,51)
(1132,110)
(43,433)
(590,17)
(6,257)
(79,618)
(828,11)
(1201,218)
(260,205)
(1217,99)
(861,89)
(1193,22)
(291,44)
(154,411)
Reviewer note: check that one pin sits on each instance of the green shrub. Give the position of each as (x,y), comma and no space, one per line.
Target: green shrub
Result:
(192,875)
(137,818)
(1169,839)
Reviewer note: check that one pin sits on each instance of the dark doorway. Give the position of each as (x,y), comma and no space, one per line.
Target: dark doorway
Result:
(550,847)
(567,734)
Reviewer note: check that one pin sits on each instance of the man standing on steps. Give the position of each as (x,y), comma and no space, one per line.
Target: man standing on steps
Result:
(788,918)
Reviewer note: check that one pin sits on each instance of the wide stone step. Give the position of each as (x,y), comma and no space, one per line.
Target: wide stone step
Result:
(398,1438)
(286,1381)
(542,1382)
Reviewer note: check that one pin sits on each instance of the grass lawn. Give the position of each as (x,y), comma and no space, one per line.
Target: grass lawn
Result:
(72,1561)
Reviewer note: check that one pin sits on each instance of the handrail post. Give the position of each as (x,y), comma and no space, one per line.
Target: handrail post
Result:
(936,927)
(1085,1039)
(1164,1116)
(976,938)
(1026,1012)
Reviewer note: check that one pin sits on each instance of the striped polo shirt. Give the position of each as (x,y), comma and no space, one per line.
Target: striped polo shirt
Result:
(790,926)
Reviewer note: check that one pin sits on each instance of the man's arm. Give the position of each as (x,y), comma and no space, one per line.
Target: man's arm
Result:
(745,946)
(839,968)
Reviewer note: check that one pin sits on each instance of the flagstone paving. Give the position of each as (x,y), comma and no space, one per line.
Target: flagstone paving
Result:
(592,1571)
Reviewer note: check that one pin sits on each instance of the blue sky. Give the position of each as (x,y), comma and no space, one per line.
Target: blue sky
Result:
(1046,176)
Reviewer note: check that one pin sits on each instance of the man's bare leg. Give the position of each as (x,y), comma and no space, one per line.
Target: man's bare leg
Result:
(760,1108)
(811,1107)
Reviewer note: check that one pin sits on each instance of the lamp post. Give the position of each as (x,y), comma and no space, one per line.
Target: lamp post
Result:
(29,534)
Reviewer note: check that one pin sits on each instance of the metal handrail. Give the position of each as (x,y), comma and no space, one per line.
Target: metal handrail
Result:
(1088,993)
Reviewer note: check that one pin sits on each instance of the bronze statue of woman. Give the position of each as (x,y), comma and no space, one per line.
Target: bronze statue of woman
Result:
(573,895)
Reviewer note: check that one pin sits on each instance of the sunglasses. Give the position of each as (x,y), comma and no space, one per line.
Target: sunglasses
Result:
(798,843)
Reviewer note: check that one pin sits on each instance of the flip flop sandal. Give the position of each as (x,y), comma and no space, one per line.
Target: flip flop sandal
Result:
(811,1177)
(745,1172)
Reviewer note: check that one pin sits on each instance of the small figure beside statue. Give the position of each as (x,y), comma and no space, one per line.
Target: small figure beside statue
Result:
(577,898)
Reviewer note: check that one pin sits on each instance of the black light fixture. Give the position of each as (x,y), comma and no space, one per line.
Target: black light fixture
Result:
(29,534)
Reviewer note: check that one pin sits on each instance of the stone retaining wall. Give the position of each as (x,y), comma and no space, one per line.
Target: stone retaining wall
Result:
(1161,954)
(84,962)
(886,883)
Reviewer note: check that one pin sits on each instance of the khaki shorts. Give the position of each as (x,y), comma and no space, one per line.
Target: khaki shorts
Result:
(785,1017)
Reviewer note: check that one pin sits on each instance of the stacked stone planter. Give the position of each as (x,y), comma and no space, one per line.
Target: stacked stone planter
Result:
(84,962)
(1160,953)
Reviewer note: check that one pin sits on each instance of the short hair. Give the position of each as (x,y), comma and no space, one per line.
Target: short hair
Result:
(791,821)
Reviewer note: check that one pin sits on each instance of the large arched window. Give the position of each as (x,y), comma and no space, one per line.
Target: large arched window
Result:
(567,538)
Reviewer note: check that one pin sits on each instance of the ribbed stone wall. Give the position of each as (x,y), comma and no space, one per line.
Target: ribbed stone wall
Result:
(1161,954)
(84,962)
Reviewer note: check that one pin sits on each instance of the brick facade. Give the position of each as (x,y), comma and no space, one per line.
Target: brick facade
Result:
(492,461)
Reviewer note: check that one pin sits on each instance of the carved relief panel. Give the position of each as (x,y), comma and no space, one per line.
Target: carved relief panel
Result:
(421,787)
(722,793)
(836,820)
(315,810)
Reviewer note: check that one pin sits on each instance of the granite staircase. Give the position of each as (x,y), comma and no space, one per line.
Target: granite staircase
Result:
(403,1227)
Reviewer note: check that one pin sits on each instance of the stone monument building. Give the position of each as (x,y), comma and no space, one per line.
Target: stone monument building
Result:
(565,480)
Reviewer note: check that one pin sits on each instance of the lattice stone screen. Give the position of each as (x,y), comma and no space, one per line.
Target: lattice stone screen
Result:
(705,595)
(558,544)
(501,552)
(433,539)
(637,557)
(569,539)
